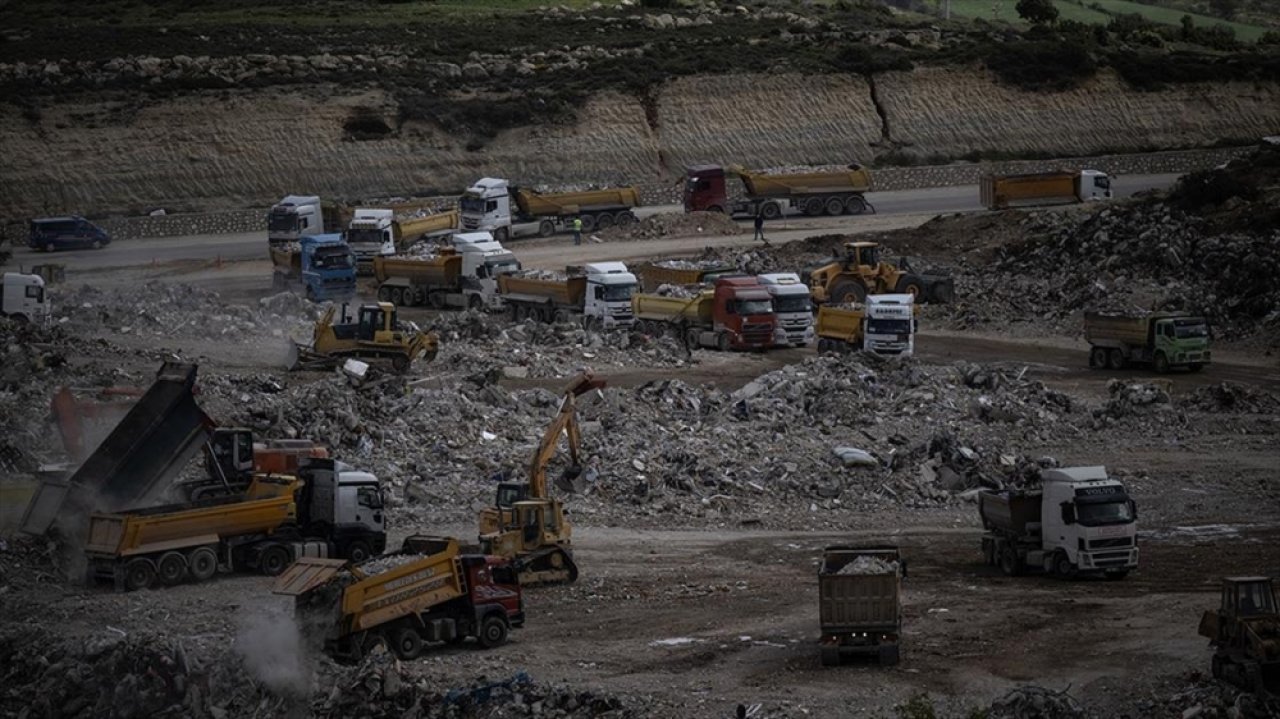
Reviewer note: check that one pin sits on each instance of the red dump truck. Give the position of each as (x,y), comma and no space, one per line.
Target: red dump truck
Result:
(859,607)
(1042,188)
(737,314)
(812,193)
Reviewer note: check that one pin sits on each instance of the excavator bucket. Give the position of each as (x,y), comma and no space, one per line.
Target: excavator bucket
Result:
(305,574)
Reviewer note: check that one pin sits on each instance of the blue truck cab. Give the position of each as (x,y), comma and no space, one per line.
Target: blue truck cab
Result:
(60,233)
(322,265)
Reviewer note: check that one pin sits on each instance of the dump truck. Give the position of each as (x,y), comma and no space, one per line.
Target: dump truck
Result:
(376,335)
(680,272)
(736,314)
(321,266)
(859,603)
(463,275)
(376,232)
(22,298)
(328,510)
(597,295)
(298,216)
(1003,191)
(494,205)
(1245,634)
(1164,340)
(771,196)
(793,305)
(885,325)
(426,592)
(1079,522)
(848,279)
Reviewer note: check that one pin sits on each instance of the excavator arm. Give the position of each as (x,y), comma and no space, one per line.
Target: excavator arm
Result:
(566,421)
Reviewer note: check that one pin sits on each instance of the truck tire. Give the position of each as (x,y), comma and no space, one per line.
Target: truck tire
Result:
(771,211)
(588,223)
(626,218)
(546,228)
(855,205)
(493,632)
(273,560)
(475,303)
(888,655)
(1115,359)
(384,294)
(813,206)
(834,206)
(1062,566)
(405,643)
(1010,564)
(139,573)
(604,221)
(1161,363)
(203,563)
(723,343)
(359,551)
(691,336)
(1098,357)
(848,291)
(171,568)
(910,285)
(397,296)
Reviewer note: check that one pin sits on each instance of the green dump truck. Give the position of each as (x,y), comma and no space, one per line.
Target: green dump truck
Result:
(1164,340)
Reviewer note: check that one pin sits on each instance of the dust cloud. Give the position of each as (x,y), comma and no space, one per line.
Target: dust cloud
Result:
(274,651)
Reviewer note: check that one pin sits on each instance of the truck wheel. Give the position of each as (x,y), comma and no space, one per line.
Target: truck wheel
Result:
(714,208)
(502,234)
(588,223)
(397,296)
(888,655)
(546,228)
(692,337)
(359,551)
(1009,562)
(771,211)
(139,574)
(1115,359)
(1098,357)
(1063,567)
(834,206)
(1161,363)
(171,568)
(493,631)
(830,656)
(405,643)
(561,317)
(723,343)
(604,222)
(909,285)
(384,294)
(626,218)
(273,561)
(813,206)
(203,563)
(475,303)
(855,205)
(847,292)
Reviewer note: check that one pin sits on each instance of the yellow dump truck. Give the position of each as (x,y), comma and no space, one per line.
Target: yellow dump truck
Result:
(812,193)
(426,592)
(328,510)
(463,275)
(376,233)
(679,272)
(1003,191)
(496,206)
(859,603)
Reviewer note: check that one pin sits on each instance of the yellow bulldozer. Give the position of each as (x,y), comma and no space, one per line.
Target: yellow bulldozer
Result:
(861,272)
(374,334)
(525,524)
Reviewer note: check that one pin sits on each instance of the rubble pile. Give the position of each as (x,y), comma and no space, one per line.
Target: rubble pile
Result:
(866,565)
(387,562)
(674,224)
(684,291)
(535,274)
(27,349)
(1206,698)
(1129,399)
(1032,702)
(160,309)
(1231,397)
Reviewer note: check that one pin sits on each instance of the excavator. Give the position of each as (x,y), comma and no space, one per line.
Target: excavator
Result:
(861,272)
(527,526)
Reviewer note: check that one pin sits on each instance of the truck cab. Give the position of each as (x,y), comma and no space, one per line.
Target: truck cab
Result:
(484,259)
(610,286)
(22,297)
(743,315)
(294,217)
(1089,519)
(1093,185)
(344,504)
(890,325)
(372,233)
(704,189)
(487,206)
(793,305)
(328,267)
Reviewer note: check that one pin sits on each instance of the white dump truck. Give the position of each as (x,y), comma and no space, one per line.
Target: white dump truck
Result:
(463,275)
(885,325)
(794,307)
(598,295)
(22,298)
(495,205)
(376,232)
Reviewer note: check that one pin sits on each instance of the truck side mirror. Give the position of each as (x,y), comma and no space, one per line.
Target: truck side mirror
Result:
(1068,513)
(1133,508)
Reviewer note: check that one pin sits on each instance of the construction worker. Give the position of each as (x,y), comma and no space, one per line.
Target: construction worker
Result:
(760,228)
(577,230)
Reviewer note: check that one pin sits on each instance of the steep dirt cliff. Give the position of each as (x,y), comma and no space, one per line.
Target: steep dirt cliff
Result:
(232,149)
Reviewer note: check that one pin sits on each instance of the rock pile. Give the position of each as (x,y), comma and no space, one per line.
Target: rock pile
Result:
(1231,397)
(867,565)
(1032,702)
(674,224)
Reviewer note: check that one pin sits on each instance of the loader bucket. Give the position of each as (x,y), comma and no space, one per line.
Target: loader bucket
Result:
(292,356)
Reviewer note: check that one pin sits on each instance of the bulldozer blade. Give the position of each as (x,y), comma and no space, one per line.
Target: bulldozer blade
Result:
(292,357)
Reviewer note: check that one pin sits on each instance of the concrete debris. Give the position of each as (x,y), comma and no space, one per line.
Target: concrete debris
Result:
(685,291)
(1032,702)
(674,224)
(851,457)
(388,562)
(1231,397)
(866,565)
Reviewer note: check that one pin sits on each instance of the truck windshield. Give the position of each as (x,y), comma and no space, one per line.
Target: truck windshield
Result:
(618,293)
(362,236)
(1093,515)
(889,327)
(282,222)
(1102,182)
(1189,331)
(471,204)
(332,259)
(502,267)
(792,303)
(753,307)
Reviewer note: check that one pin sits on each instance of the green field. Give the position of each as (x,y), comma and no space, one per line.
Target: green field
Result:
(1003,10)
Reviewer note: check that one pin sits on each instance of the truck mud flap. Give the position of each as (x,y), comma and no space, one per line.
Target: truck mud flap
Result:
(305,574)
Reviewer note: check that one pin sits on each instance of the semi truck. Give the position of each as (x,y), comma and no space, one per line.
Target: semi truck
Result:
(464,275)
(426,592)
(736,314)
(494,205)
(298,216)
(859,603)
(679,272)
(598,295)
(322,266)
(794,307)
(1164,340)
(771,196)
(1080,521)
(885,325)
(22,298)
(999,192)
(377,233)
(328,510)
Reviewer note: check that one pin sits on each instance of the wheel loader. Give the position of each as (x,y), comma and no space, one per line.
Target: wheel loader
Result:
(374,335)
(861,272)
(525,525)
(1245,634)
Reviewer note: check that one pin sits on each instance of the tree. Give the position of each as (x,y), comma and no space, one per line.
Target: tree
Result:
(1224,8)
(1037,12)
